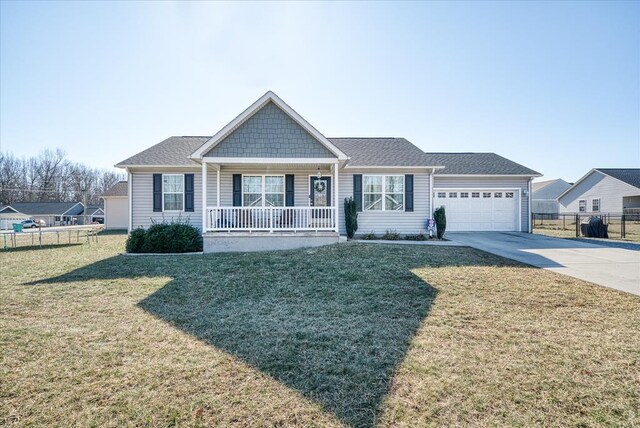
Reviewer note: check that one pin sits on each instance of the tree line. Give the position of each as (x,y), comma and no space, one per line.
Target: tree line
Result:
(50,176)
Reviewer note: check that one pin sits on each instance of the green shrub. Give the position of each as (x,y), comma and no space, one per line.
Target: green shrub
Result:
(135,241)
(417,237)
(391,235)
(441,221)
(369,236)
(175,237)
(350,216)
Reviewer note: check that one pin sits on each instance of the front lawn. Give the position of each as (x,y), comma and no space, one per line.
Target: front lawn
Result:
(346,335)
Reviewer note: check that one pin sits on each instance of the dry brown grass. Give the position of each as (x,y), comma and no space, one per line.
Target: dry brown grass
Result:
(345,335)
(567,229)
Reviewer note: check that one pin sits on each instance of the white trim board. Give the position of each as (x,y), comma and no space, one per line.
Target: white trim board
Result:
(269,161)
(254,108)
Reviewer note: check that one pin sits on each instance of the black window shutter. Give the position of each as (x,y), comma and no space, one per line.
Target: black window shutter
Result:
(188,193)
(237,190)
(357,191)
(289,197)
(157,192)
(408,192)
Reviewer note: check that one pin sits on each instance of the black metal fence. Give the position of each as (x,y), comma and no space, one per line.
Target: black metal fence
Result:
(568,225)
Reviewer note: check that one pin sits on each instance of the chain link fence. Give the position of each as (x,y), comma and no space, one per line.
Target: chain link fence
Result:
(619,226)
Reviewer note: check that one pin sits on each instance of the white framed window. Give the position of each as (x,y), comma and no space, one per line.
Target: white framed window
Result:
(173,192)
(263,190)
(486,194)
(383,192)
(475,194)
(464,194)
(442,194)
(595,205)
(453,194)
(508,194)
(497,195)
(582,205)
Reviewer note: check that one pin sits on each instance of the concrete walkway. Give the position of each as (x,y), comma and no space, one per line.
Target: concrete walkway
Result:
(611,267)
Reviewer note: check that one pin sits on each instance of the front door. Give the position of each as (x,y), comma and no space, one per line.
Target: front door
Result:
(320,195)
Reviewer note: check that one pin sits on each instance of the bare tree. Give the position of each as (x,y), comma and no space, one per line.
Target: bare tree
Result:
(50,176)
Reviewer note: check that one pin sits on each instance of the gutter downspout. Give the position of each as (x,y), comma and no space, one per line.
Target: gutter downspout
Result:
(529,221)
(431,194)
(130,197)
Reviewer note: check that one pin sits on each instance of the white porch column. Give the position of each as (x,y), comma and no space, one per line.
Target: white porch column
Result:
(336,198)
(218,187)
(204,197)
(130,199)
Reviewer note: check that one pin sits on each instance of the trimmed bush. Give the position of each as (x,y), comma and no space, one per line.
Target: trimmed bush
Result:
(417,237)
(391,235)
(350,216)
(441,221)
(177,237)
(135,241)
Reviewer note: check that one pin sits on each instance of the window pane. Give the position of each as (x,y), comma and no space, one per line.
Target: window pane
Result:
(252,199)
(372,183)
(252,184)
(173,183)
(497,195)
(453,194)
(596,205)
(486,194)
(274,184)
(373,201)
(442,195)
(508,195)
(394,201)
(475,194)
(274,199)
(464,194)
(394,184)
(173,201)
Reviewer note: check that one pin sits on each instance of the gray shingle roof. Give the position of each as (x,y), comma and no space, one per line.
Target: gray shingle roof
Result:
(382,152)
(477,164)
(8,208)
(172,151)
(121,188)
(43,208)
(628,175)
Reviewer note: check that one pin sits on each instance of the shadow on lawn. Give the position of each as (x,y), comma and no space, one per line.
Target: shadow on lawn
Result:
(333,323)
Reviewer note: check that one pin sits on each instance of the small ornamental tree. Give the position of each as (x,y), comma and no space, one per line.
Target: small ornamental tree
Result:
(350,216)
(441,221)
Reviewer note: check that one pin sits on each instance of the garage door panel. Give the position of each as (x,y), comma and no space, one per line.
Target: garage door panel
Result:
(482,213)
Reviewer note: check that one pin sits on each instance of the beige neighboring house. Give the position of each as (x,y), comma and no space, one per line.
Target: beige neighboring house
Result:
(9,215)
(116,206)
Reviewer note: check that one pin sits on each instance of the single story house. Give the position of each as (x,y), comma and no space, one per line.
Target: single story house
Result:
(94,214)
(9,216)
(116,206)
(270,180)
(53,213)
(603,190)
(544,199)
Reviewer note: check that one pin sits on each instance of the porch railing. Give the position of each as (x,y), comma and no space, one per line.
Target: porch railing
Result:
(270,219)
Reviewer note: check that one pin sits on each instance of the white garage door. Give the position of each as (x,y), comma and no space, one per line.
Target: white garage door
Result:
(479,209)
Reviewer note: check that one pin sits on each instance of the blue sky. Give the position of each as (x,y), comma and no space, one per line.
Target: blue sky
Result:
(555,86)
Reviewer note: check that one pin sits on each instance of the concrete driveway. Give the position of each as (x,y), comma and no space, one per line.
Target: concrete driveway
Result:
(598,263)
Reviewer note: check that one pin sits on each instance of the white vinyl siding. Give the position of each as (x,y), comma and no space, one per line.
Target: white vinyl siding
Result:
(610,191)
(490,183)
(116,212)
(142,198)
(378,222)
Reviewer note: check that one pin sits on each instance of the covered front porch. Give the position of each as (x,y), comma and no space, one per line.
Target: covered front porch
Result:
(271,197)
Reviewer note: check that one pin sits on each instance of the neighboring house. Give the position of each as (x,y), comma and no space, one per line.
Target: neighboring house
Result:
(544,199)
(269,179)
(606,190)
(94,214)
(53,213)
(9,215)
(116,206)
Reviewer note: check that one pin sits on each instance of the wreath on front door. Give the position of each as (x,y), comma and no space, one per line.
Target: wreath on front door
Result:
(320,186)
